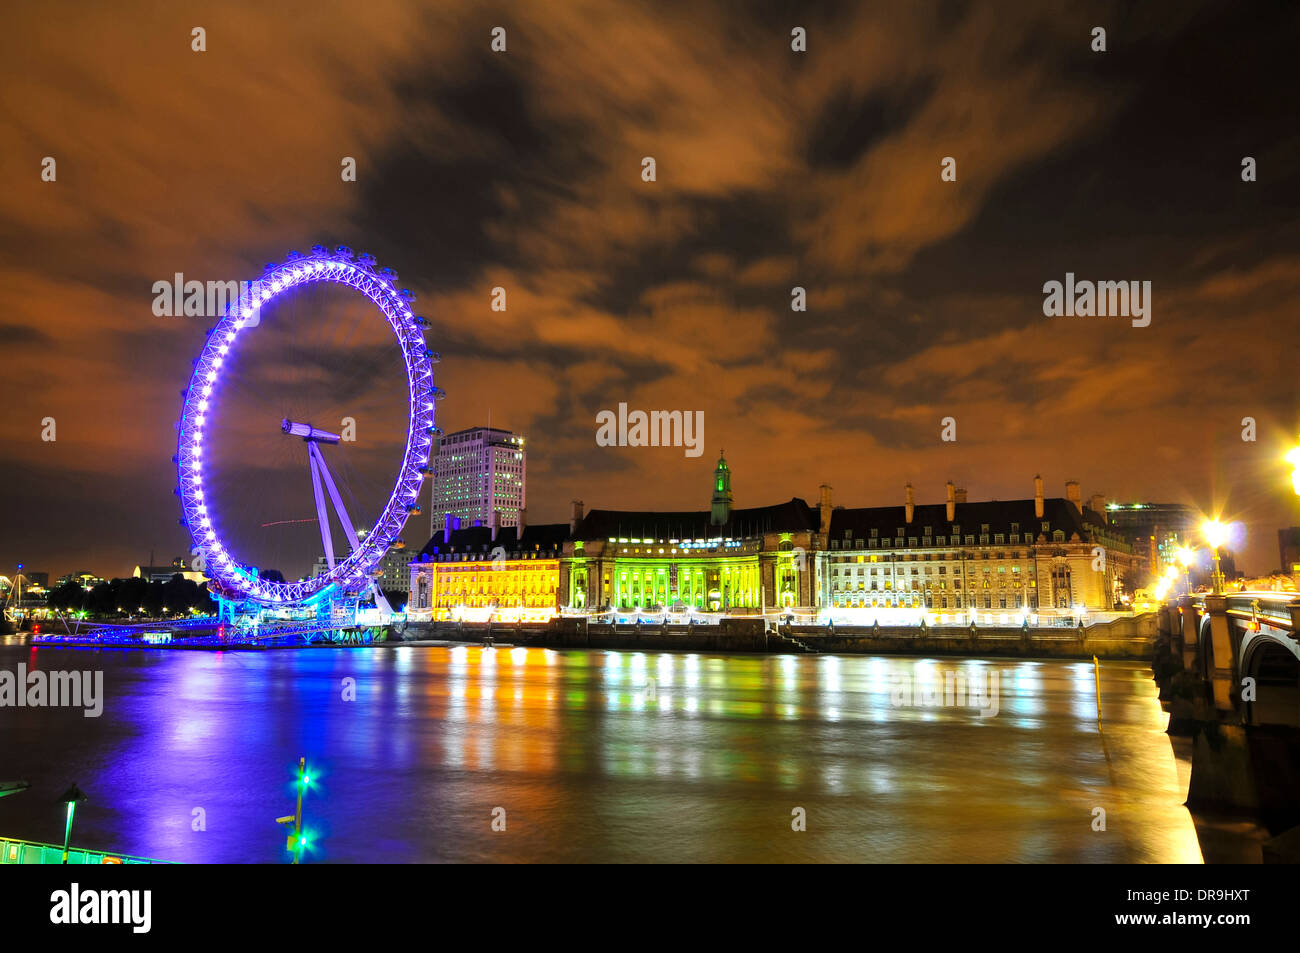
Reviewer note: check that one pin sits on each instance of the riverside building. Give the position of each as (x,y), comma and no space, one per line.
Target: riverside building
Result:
(719,560)
(488,573)
(1040,560)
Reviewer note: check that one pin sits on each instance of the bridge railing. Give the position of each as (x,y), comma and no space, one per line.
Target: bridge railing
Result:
(14,851)
(1266,605)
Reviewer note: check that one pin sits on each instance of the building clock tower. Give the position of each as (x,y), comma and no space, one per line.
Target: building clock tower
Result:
(721,509)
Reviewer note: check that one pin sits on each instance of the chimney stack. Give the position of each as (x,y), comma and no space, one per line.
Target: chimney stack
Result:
(1038,496)
(447,527)
(1072,494)
(575,517)
(824,507)
(496,524)
(952,501)
(523,521)
(1098,505)
(961,494)
(910,505)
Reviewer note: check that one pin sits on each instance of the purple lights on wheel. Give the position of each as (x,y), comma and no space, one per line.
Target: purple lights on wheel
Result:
(201,409)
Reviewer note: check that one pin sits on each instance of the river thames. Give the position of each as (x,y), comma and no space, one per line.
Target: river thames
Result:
(603,756)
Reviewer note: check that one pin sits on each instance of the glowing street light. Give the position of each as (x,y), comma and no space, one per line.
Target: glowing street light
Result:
(70,797)
(1215,533)
(297,840)
(1293,458)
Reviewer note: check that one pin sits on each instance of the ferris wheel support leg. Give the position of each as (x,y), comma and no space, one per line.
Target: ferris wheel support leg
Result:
(321,516)
(334,495)
(381,603)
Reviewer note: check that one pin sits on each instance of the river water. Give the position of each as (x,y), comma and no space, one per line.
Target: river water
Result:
(586,755)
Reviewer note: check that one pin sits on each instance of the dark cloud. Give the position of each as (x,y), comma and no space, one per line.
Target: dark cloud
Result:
(849,125)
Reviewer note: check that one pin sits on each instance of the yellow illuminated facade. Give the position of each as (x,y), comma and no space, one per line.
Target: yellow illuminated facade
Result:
(505,590)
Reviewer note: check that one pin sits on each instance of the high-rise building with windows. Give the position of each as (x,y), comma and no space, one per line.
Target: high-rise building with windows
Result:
(1156,530)
(477,472)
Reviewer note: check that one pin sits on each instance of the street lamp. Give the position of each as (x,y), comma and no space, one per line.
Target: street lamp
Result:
(70,797)
(1215,534)
(297,840)
(1293,458)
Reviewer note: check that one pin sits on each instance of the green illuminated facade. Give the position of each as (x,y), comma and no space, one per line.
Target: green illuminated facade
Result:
(720,560)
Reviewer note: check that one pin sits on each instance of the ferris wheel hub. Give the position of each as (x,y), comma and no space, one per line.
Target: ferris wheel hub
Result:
(308,432)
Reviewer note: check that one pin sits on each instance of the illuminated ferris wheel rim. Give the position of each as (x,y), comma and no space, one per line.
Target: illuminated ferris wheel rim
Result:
(200,410)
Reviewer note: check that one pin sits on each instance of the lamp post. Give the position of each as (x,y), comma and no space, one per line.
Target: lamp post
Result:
(1215,534)
(297,841)
(70,797)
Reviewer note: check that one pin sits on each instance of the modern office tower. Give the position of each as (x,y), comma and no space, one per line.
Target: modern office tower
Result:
(1155,530)
(477,472)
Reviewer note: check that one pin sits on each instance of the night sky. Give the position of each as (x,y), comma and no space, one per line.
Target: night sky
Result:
(522,169)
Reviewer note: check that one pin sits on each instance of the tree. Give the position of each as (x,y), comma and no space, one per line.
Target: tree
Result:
(132,593)
(102,599)
(180,594)
(67,597)
(204,602)
(153,599)
(1135,579)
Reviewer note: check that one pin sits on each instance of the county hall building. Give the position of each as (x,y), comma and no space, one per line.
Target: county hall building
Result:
(950,563)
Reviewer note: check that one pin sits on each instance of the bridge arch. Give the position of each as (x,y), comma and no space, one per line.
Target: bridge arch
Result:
(1204,648)
(1274,663)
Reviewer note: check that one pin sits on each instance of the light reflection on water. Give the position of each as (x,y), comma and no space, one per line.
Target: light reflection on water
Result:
(598,756)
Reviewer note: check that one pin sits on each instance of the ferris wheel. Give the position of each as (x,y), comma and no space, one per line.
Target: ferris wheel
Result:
(234,578)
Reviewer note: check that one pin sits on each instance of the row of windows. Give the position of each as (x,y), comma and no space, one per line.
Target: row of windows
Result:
(918,586)
(903,570)
(989,601)
(1046,526)
(913,542)
(928,557)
